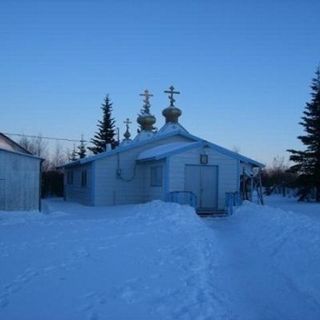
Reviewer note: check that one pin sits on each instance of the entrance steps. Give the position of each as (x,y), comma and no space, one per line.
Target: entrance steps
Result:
(211,213)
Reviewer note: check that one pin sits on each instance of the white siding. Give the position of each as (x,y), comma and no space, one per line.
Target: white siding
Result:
(19,181)
(112,190)
(228,175)
(153,192)
(77,192)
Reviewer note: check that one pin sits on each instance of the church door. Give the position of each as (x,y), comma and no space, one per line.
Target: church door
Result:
(203,182)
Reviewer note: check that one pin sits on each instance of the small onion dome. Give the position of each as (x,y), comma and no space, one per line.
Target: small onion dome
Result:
(127,135)
(146,121)
(172,114)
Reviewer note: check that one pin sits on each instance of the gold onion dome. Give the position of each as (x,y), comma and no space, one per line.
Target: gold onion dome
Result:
(127,134)
(171,113)
(145,119)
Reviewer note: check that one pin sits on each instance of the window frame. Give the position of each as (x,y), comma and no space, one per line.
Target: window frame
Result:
(84,178)
(156,176)
(70,177)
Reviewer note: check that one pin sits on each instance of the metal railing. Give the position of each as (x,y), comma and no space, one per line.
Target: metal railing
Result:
(183,197)
(232,199)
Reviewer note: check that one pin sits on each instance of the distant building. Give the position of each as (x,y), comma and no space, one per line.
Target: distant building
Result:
(156,164)
(19,177)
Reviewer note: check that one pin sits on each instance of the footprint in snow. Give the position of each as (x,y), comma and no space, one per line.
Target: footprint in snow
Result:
(16,285)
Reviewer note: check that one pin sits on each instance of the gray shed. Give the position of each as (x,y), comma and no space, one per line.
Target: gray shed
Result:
(20,174)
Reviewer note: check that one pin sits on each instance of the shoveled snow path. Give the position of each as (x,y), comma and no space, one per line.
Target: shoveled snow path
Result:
(250,284)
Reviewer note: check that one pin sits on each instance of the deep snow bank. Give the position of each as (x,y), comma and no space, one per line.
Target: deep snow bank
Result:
(126,262)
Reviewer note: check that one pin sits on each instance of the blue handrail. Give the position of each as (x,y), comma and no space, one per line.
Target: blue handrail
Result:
(232,199)
(183,197)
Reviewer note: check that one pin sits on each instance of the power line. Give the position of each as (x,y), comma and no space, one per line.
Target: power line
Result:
(43,137)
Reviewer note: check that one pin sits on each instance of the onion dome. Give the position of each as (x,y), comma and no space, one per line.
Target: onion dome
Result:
(127,134)
(145,119)
(146,122)
(171,113)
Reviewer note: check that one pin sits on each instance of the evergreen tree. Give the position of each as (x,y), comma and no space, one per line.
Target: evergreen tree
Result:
(73,155)
(106,129)
(307,162)
(82,152)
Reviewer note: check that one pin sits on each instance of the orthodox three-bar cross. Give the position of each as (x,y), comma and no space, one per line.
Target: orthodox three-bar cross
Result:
(127,122)
(171,93)
(127,133)
(146,100)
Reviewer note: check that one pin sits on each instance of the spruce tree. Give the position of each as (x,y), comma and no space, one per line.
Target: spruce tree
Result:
(73,155)
(307,162)
(106,129)
(82,149)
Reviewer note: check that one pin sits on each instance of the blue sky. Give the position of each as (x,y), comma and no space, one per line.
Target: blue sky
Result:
(243,67)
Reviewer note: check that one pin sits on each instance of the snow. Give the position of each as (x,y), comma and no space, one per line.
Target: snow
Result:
(171,127)
(292,205)
(160,261)
(121,262)
(269,267)
(163,149)
(143,135)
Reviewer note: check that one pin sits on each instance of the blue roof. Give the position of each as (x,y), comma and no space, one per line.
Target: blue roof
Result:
(162,151)
(132,145)
(158,137)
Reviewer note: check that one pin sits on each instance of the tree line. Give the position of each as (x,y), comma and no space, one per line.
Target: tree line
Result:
(52,176)
(303,173)
(105,135)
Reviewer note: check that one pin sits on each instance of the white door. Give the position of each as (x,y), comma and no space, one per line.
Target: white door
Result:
(203,182)
(2,195)
(192,181)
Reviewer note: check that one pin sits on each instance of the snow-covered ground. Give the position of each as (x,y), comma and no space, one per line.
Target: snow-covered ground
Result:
(161,261)
(291,204)
(269,262)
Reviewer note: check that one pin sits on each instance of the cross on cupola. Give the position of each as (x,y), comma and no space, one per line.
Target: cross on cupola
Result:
(171,93)
(127,134)
(145,119)
(127,122)
(146,107)
(172,113)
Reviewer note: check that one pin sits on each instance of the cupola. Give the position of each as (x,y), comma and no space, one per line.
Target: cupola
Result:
(145,119)
(171,113)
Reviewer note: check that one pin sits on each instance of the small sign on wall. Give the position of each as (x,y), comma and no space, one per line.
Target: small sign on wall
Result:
(203,158)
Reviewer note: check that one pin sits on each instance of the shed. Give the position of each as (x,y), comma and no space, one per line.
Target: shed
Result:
(20,174)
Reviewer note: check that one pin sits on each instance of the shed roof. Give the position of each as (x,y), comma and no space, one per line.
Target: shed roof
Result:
(8,145)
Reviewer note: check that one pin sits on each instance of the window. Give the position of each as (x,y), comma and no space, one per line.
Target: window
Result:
(70,177)
(84,178)
(156,176)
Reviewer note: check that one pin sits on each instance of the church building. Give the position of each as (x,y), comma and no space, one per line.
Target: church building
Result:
(167,164)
